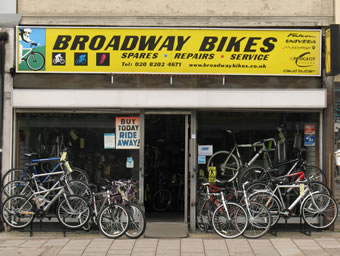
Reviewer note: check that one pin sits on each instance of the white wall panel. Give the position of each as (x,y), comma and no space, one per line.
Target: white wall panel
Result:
(171,99)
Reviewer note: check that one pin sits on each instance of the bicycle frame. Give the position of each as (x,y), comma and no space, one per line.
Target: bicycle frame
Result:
(305,194)
(45,192)
(27,53)
(32,165)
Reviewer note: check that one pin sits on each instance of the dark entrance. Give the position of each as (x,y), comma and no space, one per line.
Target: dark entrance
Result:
(164,167)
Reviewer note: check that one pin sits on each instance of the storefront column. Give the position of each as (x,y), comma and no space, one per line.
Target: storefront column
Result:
(193,170)
(328,121)
(141,158)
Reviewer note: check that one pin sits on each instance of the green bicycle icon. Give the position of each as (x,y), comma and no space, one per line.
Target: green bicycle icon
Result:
(34,60)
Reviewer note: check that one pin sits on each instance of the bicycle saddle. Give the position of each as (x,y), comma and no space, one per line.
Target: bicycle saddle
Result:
(31,154)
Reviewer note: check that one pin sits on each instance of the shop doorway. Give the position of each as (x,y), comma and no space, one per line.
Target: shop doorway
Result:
(165,167)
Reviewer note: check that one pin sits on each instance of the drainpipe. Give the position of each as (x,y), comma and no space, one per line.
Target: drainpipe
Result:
(3,40)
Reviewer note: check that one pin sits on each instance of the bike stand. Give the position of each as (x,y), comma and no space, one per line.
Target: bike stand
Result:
(303,229)
(31,227)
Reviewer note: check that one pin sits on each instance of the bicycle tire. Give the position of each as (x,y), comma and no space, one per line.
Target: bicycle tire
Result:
(256,186)
(319,206)
(11,215)
(35,61)
(235,226)
(79,188)
(271,202)
(253,174)
(313,173)
(319,187)
(162,200)
(73,211)
(79,174)
(203,209)
(259,221)
(113,221)
(15,174)
(16,187)
(137,221)
(224,161)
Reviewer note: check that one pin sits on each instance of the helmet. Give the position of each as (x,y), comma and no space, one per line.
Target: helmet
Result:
(27,31)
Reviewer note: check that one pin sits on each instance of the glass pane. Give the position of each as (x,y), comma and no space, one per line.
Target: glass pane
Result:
(90,139)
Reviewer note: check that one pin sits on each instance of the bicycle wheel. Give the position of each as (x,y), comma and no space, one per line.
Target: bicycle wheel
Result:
(313,173)
(259,220)
(16,174)
(319,211)
(204,209)
(79,188)
(319,187)
(73,211)
(227,164)
(17,212)
(79,174)
(35,61)
(230,222)
(271,202)
(253,174)
(113,221)
(137,221)
(161,200)
(16,187)
(256,186)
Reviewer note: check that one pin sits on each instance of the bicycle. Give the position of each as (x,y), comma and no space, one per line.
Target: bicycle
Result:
(34,60)
(112,219)
(25,188)
(318,210)
(229,219)
(261,174)
(72,211)
(126,198)
(259,218)
(32,168)
(229,163)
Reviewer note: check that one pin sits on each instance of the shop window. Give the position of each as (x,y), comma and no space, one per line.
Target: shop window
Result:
(297,130)
(92,140)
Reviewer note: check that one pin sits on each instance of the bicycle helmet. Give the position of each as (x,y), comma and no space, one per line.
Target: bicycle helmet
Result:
(27,31)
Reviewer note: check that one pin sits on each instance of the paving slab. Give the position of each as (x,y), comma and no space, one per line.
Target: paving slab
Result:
(239,247)
(286,247)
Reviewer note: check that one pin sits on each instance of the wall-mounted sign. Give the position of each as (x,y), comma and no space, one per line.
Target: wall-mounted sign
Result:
(169,51)
(109,140)
(205,150)
(127,132)
(309,129)
(201,159)
(309,140)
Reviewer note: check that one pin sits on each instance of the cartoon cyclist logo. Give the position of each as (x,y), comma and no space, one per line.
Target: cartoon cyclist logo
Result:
(31,52)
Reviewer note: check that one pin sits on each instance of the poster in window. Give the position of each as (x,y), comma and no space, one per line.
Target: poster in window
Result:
(127,132)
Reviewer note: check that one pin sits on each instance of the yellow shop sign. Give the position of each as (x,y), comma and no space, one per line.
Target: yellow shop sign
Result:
(169,51)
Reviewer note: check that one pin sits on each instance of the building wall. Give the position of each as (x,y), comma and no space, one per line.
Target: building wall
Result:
(177,7)
(201,12)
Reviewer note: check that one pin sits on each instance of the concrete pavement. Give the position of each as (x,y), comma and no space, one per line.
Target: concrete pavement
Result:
(88,244)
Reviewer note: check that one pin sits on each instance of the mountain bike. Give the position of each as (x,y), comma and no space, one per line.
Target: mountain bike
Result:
(34,60)
(33,167)
(72,211)
(229,163)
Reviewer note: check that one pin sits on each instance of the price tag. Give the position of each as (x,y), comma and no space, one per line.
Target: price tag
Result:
(302,189)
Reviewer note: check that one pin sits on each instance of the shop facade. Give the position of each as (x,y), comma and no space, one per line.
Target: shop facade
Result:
(148,122)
